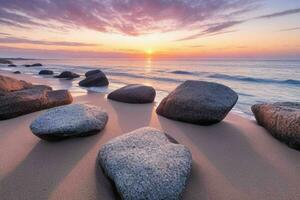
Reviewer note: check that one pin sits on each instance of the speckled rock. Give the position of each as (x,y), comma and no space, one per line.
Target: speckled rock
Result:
(144,164)
(94,79)
(67,75)
(134,93)
(282,120)
(69,121)
(198,102)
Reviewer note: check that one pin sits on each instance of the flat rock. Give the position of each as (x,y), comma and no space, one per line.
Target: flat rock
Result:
(8,84)
(14,104)
(46,72)
(134,93)
(281,119)
(68,75)
(17,72)
(12,65)
(144,164)
(198,102)
(69,121)
(95,80)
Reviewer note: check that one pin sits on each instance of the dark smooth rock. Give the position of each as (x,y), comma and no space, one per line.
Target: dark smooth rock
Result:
(95,80)
(30,99)
(134,93)
(46,72)
(27,65)
(12,65)
(144,164)
(17,72)
(5,61)
(8,84)
(92,72)
(74,120)
(68,75)
(37,65)
(282,120)
(198,102)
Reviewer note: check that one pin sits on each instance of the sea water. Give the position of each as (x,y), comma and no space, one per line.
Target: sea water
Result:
(256,81)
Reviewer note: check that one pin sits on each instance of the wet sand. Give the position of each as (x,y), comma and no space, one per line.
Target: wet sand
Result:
(235,159)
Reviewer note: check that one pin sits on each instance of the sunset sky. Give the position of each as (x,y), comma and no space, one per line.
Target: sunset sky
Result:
(156,28)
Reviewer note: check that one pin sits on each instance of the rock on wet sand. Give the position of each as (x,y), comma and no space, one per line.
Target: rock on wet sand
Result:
(281,119)
(94,78)
(19,98)
(67,75)
(134,93)
(69,121)
(8,84)
(144,164)
(198,102)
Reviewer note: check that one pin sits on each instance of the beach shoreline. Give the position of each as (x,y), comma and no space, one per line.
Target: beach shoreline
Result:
(235,159)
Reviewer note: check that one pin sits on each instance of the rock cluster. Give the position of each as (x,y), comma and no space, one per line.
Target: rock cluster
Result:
(19,98)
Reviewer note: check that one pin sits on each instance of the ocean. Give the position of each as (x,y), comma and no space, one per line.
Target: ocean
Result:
(256,81)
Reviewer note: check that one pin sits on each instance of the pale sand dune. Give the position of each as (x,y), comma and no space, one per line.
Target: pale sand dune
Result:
(235,159)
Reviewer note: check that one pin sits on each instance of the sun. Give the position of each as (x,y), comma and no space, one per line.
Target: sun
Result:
(149,51)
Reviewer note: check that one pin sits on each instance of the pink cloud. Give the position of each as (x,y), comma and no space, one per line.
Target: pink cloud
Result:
(130,17)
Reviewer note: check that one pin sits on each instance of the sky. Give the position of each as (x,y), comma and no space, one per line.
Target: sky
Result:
(150,28)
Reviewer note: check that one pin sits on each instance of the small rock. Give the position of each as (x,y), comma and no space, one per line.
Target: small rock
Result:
(144,164)
(69,121)
(5,61)
(68,75)
(198,102)
(46,72)
(17,72)
(134,93)
(282,120)
(12,65)
(94,80)
(37,65)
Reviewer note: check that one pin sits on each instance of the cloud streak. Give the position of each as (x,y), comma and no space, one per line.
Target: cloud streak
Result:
(14,40)
(290,29)
(280,14)
(213,29)
(221,28)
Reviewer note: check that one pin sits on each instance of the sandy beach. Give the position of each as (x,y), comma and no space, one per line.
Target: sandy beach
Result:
(235,159)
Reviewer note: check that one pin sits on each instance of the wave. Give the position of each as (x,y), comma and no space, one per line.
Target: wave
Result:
(256,80)
(131,75)
(181,72)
